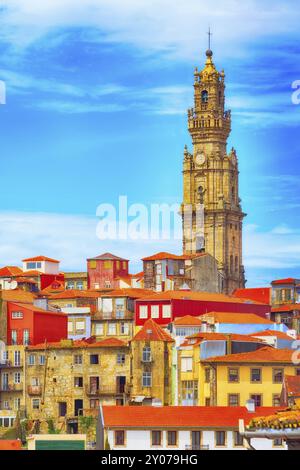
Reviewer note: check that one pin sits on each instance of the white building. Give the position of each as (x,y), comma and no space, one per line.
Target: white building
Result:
(178,428)
(42,264)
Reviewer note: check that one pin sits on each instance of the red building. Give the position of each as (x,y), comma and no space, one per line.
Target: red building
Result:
(104,270)
(259,294)
(164,307)
(27,324)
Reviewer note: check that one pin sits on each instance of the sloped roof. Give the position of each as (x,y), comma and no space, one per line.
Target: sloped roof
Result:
(10,271)
(18,295)
(288,280)
(187,320)
(292,385)
(33,308)
(201,296)
(165,255)
(286,308)
(74,294)
(238,318)
(259,294)
(81,344)
(266,354)
(223,336)
(280,419)
(178,416)
(7,444)
(127,292)
(41,258)
(108,256)
(278,334)
(151,331)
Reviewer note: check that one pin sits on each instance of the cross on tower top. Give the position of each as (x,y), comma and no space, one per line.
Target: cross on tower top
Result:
(209,38)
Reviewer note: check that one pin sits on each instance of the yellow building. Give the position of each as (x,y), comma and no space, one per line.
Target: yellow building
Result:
(12,393)
(210,180)
(233,379)
(76,280)
(65,379)
(151,365)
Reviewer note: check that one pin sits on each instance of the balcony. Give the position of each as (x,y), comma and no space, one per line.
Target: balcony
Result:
(104,390)
(125,315)
(11,388)
(10,364)
(34,390)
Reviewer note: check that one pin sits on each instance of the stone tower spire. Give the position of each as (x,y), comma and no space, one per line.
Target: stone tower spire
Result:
(210,180)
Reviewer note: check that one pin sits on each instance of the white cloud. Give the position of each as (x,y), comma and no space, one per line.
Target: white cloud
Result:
(176,28)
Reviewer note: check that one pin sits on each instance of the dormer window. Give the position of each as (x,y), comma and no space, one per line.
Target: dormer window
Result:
(204,96)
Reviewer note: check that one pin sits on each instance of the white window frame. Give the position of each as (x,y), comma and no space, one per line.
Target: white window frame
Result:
(143,312)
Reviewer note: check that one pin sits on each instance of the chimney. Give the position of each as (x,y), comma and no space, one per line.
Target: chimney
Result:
(229,344)
(250,405)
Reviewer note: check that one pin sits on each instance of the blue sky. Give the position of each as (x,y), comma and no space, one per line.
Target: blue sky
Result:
(97,93)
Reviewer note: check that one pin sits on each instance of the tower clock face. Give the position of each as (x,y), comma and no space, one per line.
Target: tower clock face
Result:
(200,158)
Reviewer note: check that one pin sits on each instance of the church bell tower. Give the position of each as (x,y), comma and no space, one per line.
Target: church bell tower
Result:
(211,211)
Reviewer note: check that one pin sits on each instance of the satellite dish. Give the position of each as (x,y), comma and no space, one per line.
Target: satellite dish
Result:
(13,285)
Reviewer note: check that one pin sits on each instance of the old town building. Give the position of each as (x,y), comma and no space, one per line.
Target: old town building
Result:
(105,270)
(151,365)
(211,209)
(66,379)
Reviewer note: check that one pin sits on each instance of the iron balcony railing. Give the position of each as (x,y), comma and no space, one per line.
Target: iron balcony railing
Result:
(34,390)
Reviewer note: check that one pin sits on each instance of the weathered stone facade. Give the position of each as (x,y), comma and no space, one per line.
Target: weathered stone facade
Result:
(210,180)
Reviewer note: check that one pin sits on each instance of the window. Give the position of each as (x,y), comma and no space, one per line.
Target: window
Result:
(146,379)
(35,404)
(70,327)
(25,337)
(62,408)
(172,438)
(186,364)
(17,358)
(124,264)
(78,382)
(233,375)
(32,265)
(234,399)
(278,376)
(277,443)
(112,329)
(146,354)
(220,438)
(92,264)
(80,285)
(297,372)
(35,382)
(189,392)
(124,329)
(99,329)
(207,375)
(156,438)
(42,359)
(78,359)
(276,400)
(154,311)
(107,305)
(14,339)
(16,315)
(94,359)
(119,438)
(143,311)
(17,378)
(238,439)
(256,375)
(166,311)
(31,360)
(17,403)
(80,327)
(70,285)
(121,358)
(257,399)
(204,96)
(107,265)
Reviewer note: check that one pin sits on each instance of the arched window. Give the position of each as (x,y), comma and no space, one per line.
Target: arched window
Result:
(204,96)
(236,264)
(231,264)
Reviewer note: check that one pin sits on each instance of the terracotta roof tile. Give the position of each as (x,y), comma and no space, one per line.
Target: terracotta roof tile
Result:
(178,416)
(74,294)
(192,295)
(33,308)
(107,256)
(151,331)
(127,292)
(6,444)
(18,295)
(81,344)
(187,320)
(280,419)
(288,280)
(286,308)
(10,271)
(260,294)
(239,318)
(278,334)
(223,337)
(266,354)
(292,384)
(41,258)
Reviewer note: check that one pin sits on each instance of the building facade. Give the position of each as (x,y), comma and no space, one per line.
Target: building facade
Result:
(210,180)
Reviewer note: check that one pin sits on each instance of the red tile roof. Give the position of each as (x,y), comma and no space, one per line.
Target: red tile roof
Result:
(165,255)
(192,295)
(292,385)
(278,334)
(6,444)
(81,344)
(74,294)
(151,331)
(179,416)
(132,292)
(108,256)
(10,271)
(41,258)
(17,295)
(266,354)
(288,280)
(187,320)
(239,318)
(260,294)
